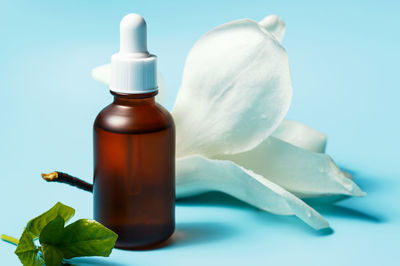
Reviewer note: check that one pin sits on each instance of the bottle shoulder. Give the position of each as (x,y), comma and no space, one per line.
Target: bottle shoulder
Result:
(134,119)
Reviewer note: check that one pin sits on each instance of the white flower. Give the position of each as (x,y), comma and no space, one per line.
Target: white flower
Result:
(231,136)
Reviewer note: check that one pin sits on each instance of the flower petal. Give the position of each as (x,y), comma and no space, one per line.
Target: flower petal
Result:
(301,136)
(236,90)
(102,74)
(303,173)
(197,174)
(275,25)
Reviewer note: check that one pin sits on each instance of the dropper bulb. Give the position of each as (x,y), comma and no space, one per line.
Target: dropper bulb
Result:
(133,68)
(133,34)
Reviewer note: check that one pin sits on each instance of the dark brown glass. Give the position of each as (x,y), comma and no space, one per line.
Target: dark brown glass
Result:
(134,170)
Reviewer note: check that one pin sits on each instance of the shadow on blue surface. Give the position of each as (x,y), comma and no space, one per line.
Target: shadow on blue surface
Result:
(194,233)
(186,234)
(92,261)
(198,233)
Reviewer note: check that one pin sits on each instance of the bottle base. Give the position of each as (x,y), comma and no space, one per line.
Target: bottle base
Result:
(144,238)
(157,245)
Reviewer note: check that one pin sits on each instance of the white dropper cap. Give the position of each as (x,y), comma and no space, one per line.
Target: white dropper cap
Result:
(133,69)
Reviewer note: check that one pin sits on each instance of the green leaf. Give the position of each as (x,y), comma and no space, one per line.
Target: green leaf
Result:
(52,255)
(87,237)
(27,251)
(84,237)
(36,225)
(53,232)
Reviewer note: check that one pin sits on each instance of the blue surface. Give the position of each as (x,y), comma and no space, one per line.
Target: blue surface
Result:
(344,59)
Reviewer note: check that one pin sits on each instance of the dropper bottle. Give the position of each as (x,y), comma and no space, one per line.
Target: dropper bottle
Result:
(134,148)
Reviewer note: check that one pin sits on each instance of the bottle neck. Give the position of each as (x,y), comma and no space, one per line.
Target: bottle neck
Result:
(134,99)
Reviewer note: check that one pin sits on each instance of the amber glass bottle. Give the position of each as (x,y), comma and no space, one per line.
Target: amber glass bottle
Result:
(134,177)
(134,148)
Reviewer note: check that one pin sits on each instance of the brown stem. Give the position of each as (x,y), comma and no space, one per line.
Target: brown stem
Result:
(68,179)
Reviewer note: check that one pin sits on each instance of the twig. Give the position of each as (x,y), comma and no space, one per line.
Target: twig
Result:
(68,179)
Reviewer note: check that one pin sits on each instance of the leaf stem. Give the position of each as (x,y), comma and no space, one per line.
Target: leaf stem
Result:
(10,239)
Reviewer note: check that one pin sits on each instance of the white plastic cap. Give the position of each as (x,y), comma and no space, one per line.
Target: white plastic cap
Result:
(133,69)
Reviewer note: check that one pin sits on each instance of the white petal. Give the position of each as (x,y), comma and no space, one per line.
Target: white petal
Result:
(236,90)
(304,173)
(162,89)
(275,25)
(301,136)
(197,174)
(347,174)
(102,74)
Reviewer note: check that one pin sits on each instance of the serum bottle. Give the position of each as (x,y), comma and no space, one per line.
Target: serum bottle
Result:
(134,148)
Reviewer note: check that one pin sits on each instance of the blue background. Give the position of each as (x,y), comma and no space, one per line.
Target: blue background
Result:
(344,60)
